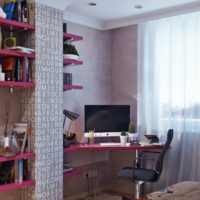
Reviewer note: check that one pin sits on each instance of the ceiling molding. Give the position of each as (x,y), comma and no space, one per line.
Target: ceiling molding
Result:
(167,12)
(82,20)
(127,21)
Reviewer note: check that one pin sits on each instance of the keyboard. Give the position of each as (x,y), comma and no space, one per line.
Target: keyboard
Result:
(112,144)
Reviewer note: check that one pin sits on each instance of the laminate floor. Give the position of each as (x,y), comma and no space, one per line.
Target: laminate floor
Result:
(103,196)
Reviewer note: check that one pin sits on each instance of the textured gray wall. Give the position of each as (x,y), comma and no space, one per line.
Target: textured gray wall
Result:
(48,104)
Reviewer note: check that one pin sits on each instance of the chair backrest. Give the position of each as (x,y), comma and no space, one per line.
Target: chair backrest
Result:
(159,164)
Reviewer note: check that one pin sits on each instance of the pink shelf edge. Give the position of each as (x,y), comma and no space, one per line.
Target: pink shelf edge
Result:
(68,61)
(14,186)
(8,22)
(17,84)
(74,173)
(17,157)
(8,52)
(71,148)
(72,36)
(76,87)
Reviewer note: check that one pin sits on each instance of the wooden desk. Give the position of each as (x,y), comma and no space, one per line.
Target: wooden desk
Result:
(118,147)
(97,147)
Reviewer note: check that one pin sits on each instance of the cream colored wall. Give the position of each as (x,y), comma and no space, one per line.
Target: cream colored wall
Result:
(95,76)
(109,76)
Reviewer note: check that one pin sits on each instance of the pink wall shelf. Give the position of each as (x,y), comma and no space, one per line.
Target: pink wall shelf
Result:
(74,173)
(9,53)
(14,186)
(71,148)
(68,61)
(72,37)
(14,25)
(17,84)
(18,157)
(75,87)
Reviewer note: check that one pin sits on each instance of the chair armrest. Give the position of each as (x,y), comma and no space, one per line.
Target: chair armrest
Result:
(148,152)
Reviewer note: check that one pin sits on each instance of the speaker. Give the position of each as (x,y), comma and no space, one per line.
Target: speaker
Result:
(9,42)
(64,27)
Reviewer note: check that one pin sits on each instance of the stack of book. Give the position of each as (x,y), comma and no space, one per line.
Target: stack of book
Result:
(17,69)
(67,78)
(19,10)
(67,168)
(22,49)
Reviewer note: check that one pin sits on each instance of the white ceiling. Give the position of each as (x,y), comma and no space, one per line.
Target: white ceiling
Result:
(110,14)
(115,9)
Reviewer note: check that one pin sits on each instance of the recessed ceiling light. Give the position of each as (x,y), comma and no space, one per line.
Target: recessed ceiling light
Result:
(138,6)
(92,4)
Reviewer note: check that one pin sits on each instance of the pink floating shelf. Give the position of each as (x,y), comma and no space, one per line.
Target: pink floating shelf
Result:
(68,61)
(74,173)
(14,186)
(10,53)
(18,157)
(14,25)
(17,84)
(74,87)
(71,148)
(72,37)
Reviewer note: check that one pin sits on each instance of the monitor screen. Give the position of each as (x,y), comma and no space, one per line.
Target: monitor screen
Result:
(107,118)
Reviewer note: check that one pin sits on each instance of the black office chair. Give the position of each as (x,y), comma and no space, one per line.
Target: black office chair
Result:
(138,174)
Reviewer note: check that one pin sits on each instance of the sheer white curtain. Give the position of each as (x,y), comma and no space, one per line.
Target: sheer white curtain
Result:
(169,90)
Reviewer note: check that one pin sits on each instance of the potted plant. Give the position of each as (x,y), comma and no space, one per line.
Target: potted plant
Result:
(132,132)
(70,51)
(123,138)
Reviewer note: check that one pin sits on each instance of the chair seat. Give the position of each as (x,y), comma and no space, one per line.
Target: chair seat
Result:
(140,174)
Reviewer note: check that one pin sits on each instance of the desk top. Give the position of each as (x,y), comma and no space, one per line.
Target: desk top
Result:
(119,147)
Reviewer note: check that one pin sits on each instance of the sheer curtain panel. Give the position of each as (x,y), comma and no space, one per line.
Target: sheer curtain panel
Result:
(168,90)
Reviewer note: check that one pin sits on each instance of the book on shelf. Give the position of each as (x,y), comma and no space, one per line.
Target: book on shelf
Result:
(17,69)
(7,172)
(31,13)
(8,68)
(67,78)
(8,8)
(17,11)
(20,171)
(24,9)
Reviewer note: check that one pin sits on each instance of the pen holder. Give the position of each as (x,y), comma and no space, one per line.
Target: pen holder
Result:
(90,140)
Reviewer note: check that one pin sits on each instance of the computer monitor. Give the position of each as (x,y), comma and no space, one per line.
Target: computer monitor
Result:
(106,120)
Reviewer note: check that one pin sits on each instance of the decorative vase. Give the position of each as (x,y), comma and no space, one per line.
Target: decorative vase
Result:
(123,140)
(132,137)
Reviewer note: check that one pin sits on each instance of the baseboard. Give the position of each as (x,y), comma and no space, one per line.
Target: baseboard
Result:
(87,194)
